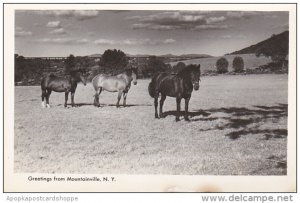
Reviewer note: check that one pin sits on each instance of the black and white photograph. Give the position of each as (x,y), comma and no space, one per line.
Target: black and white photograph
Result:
(173,91)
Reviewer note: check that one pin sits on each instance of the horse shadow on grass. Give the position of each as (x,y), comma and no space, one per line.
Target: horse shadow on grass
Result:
(242,121)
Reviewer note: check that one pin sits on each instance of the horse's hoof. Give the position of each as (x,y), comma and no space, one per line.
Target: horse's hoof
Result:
(48,106)
(43,105)
(162,115)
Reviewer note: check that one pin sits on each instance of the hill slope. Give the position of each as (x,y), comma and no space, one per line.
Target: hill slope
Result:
(279,39)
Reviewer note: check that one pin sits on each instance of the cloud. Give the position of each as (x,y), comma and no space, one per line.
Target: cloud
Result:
(172,18)
(212,27)
(133,42)
(226,37)
(82,41)
(77,14)
(169,41)
(20,32)
(53,24)
(85,14)
(179,20)
(59,31)
(155,27)
(215,19)
(242,14)
(62,41)
(104,41)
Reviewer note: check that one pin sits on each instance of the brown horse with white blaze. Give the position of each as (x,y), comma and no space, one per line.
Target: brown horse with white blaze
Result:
(120,83)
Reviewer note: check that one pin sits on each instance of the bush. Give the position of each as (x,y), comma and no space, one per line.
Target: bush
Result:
(222,65)
(238,64)
(154,65)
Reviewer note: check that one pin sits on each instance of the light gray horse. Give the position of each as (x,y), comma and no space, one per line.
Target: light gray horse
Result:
(120,83)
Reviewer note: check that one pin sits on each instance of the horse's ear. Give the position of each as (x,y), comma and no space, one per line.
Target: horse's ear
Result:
(199,66)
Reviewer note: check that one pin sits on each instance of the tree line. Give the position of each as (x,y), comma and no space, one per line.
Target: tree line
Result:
(115,61)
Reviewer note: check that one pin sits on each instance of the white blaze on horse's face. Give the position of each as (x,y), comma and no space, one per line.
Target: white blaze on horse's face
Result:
(195,77)
(196,85)
(134,78)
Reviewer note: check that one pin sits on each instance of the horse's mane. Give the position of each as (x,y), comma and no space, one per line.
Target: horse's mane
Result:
(130,70)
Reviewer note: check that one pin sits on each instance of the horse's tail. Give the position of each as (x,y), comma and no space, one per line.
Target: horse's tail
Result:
(151,88)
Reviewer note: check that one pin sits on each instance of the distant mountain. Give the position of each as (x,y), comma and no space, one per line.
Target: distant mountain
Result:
(165,55)
(196,55)
(95,55)
(275,39)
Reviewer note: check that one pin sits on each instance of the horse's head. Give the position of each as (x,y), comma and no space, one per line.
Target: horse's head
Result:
(80,76)
(132,72)
(83,78)
(134,75)
(195,75)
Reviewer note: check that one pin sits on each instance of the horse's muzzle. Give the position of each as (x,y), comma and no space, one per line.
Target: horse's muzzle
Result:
(135,82)
(196,86)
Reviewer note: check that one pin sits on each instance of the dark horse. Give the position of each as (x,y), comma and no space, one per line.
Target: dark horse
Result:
(178,85)
(120,83)
(61,84)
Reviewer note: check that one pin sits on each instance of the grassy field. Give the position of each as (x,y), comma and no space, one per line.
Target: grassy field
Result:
(250,62)
(238,127)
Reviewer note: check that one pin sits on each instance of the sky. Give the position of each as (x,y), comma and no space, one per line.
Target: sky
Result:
(56,33)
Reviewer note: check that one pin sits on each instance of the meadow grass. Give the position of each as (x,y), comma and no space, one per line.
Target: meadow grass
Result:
(238,127)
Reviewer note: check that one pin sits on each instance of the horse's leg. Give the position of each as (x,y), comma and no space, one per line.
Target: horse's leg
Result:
(72,98)
(66,98)
(43,98)
(186,116)
(155,106)
(119,97)
(124,98)
(178,101)
(97,95)
(161,103)
(47,98)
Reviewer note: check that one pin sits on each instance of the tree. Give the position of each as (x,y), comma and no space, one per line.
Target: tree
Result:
(113,61)
(20,66)
(70,64)
(238,64)
(222,65)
